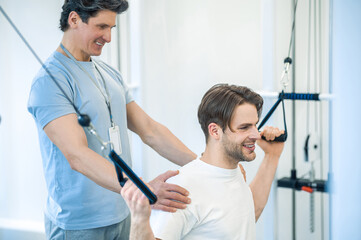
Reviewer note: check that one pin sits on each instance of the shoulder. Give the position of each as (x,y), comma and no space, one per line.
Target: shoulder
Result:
(187,174)
(166,225)
(52,67)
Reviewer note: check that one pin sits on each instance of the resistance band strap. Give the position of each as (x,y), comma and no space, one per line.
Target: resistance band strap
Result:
(135,179)
(282,137)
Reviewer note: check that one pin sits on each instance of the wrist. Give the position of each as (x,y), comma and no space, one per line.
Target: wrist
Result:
(273,157)
(140,220)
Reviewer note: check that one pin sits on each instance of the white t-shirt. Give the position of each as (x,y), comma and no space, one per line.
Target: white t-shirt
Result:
(222,206)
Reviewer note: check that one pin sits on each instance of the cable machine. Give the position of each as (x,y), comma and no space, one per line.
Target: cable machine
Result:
(312,148)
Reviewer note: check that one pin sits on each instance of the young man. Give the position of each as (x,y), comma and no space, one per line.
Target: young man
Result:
(79,204)
(223,206)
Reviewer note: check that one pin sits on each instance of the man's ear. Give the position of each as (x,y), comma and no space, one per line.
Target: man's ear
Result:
(73,19)
(214,131)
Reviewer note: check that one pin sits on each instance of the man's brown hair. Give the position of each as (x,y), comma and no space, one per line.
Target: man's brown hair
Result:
(218,104)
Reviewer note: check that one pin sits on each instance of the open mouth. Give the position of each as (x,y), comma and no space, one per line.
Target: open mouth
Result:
(250,147)
(99,43)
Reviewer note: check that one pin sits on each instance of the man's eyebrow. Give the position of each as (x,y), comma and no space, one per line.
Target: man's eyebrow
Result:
(245,125)
(105,25)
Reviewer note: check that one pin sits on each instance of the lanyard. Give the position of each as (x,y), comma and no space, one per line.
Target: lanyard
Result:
(106,94)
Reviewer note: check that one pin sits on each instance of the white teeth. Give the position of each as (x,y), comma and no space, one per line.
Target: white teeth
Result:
(98,43)
(249,146)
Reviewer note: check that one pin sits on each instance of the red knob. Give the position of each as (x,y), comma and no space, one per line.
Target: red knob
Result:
(307,189)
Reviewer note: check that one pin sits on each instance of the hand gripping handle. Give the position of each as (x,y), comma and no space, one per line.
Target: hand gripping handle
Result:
(135,179)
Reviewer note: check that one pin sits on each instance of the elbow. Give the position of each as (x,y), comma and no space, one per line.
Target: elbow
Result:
(258,213)
(74,160)
(258,209)
(149,137)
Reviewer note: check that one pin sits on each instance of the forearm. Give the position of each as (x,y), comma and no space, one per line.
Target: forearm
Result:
(157,136)
(261,184)
(141,231)
(70,138)
(95,167)
(169,146)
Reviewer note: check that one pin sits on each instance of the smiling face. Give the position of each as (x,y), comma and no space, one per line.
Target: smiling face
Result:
(92,36)
(239,141)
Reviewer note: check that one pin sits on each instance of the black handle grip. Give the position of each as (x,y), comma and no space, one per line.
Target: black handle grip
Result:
(135,179)
(280,138)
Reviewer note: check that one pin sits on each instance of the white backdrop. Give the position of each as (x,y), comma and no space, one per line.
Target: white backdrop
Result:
(22,186)
(175,51)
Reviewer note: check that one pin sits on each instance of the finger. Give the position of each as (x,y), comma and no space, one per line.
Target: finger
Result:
(164,208)
(126,186)
(172,204)
(140,198)
(176,188)
(128,193)
(176,196)
(264,132)
(168,174)
(272,134)
(279,132)
(241,167)
(243,172)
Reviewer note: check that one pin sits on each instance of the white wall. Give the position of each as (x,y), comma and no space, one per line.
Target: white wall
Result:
(180,49)
(346,78)
(22,185)
(188,46)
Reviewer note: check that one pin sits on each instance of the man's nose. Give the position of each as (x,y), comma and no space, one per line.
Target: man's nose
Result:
(108,36)
(255,134)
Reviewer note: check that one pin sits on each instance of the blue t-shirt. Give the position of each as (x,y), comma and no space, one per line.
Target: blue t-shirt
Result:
(74,201)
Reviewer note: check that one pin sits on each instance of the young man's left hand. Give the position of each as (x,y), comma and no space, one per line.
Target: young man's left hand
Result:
(270,147)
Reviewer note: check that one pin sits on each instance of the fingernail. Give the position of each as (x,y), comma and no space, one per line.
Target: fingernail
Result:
(188,201)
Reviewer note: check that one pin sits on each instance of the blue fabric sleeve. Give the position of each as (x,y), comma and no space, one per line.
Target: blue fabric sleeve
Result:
(47,102)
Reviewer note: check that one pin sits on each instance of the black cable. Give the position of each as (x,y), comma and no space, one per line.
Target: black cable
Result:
(282,137)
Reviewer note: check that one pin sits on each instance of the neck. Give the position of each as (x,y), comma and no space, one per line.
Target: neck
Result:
(68,43)
(214,155)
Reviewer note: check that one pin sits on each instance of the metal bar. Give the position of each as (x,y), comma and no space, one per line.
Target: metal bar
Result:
(321,96)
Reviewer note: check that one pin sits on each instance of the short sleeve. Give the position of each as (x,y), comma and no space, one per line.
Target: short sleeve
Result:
(169,226)
(117,76)
(128,96)
(47,101)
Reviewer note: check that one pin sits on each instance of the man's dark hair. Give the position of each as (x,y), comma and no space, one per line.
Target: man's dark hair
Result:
(89,8)
(218,104)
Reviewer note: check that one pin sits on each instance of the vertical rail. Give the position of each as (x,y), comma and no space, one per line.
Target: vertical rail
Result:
(294,123)
(330,85)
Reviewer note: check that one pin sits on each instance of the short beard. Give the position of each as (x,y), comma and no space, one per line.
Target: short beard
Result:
(234,151)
